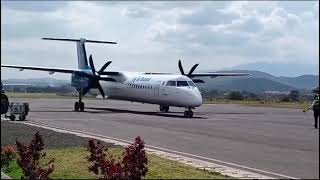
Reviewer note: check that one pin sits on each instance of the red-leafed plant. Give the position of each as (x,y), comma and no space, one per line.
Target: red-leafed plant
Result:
(29,157)
(132,166)
(7,155)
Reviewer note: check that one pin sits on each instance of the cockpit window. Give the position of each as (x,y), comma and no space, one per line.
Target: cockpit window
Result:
(171,83)
(191,83)
(182,83)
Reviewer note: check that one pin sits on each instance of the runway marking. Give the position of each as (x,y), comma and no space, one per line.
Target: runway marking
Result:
(176,155)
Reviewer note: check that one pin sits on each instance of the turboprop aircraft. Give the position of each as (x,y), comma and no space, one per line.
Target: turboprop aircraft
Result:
(164,89)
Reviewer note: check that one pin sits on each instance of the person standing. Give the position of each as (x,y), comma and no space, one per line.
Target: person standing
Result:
(316,110)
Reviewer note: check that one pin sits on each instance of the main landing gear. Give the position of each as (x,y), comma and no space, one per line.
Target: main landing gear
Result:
(164,108)
(188,113)
(79,106)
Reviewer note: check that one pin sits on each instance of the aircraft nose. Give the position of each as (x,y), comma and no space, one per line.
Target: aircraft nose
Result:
(197,99)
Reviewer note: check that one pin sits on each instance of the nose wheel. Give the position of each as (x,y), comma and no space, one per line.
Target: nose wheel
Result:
(188,113)
(79,106)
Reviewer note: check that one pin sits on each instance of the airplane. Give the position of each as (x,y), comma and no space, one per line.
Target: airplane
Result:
(163,89)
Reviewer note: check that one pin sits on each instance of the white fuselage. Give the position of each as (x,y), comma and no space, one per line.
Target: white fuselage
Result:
(153,89)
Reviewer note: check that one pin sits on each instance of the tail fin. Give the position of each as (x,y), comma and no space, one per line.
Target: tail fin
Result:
(81,50)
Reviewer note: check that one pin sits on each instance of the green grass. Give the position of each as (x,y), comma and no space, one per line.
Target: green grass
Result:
(70,163)
(292,105)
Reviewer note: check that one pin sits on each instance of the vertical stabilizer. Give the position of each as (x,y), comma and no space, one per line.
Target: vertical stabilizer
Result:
(82,55)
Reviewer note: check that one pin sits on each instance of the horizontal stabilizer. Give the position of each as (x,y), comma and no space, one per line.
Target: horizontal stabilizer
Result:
(80,40)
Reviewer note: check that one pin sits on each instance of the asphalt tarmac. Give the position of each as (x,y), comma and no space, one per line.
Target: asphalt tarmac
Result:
(277,140)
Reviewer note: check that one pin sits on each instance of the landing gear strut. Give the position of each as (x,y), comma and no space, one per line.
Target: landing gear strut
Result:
(188,113)
(164,108)
(79,106)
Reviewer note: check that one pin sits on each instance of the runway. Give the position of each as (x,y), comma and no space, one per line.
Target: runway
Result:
(277,140)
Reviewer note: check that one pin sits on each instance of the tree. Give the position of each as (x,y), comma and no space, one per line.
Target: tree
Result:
(316,90)
(235,95)
(294,95)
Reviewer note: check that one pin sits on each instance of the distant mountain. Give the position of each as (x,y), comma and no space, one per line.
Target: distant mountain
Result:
(301,82)
(260,81)
(281,69)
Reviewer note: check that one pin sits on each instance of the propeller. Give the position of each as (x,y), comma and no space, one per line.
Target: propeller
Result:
(190,72)
(94,78)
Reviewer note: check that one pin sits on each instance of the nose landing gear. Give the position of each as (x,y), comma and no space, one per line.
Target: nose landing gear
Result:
(188,113)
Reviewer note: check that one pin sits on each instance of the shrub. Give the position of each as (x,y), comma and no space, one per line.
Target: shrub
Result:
(294,95)
(235,95)
(7,155)
(285,99)
(29,157)
(132,166)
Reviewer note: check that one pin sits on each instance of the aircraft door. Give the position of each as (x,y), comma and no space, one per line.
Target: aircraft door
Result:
(157,88)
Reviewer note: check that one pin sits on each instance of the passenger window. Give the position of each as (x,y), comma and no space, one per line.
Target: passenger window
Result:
(171,83)
(191,83)
(182,83)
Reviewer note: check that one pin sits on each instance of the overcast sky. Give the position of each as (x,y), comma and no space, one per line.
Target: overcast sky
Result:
(153,36)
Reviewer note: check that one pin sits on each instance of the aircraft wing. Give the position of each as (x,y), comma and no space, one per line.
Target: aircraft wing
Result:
(50,70)
(40,68)
(213,75)
(61,70)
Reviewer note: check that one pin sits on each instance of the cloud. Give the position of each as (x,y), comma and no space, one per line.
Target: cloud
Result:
(218,34)
(136,12)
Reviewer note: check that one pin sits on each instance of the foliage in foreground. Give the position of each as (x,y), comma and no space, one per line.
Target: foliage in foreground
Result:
(29,156)
(7,155)
(132,166)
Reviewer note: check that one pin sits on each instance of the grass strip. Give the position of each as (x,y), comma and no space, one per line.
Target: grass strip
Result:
(71,163)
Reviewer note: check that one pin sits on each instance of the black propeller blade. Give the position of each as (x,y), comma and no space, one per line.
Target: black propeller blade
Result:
(92,65)
(101,91)
(104,67)
(190,72)
(180,67)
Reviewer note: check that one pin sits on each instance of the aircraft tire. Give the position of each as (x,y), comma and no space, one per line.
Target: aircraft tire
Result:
(76,106)
(22,117)
(81,106)
(188,114)
(12,117)
(4,104)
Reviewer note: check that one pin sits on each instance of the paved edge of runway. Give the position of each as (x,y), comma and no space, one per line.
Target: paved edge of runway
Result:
(204,163)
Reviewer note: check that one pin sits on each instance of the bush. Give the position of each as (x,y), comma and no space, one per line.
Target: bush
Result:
(29,157)
(235,95)
(7,155)
(285,99)
(132,166)
(294,95)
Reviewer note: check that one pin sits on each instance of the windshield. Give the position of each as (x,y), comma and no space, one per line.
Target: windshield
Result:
(182,83)
(191,84)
